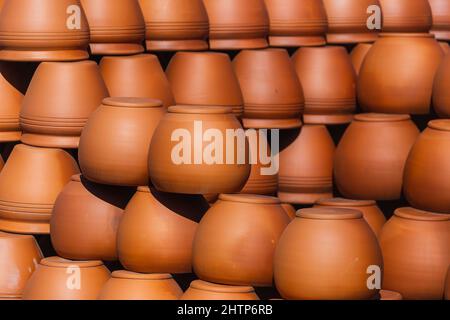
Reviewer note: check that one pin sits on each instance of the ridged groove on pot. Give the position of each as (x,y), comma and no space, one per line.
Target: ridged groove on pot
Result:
(358,55)
(202,290)
(441,89)
(406,15)
(441,19)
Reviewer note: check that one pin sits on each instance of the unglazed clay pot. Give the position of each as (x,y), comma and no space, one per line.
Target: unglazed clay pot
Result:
(157,231)
(219,253)
(60,279)
(115,141)
(173,25)
(19,255)
(447,286)
(204,79)
(236,24)
(406,15)
(59,101)
(306,166)
(48,30)
(202,290)
(441,19)
(358,55)
(441,89)
(125,285)
(115,29)
(416,252)
(273,96)
(85,220)
(29,185)
(347,21)
(329,84)
(387,67)
(184,159)
(296,23)
(371,156)
(386,295)
(325,254)
(445,47)
(427,170)
(290,210)
(136,76)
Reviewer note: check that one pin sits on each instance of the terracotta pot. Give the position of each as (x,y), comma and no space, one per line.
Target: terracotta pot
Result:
(136,76)
(59,101)
(48,30)
(427,170)
(290,210)
(416,253)
(447,286)
(347,21)
(329,84)
(29,185)
(306,166)
(60,279)
(219,255)
(296,23)
(358,55)
(173,25)
(390,295)
(115,29)
(157,231)
(19,256)
(191,167)
(204,79)
(441,89)
(441,19)
(325,253)
(406,15)
(236,25)
(445,47)
(202,290)
(122,159)
(387,67)
(93,234)
(125,285)
(273,96)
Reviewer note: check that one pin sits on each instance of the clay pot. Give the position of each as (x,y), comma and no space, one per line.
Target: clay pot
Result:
(115,29)
(219,255)
(441,19)
(358,55)
(136,76)
(273,96)
(329,84)
(93,234)
(60,279)
(347,21)
(157,231)
(306,166)
(48,30)
(416,253)
(237,25)
(19,256)
(59,101)
(290,210)
(122,159)
(204,79)
(387,67)
(371,156)
(202,290)
(125,285)
(296,23)
(325,254)
(29,185)
(181,160)
(390,295)
(447,286)
(173,25)
(445,47)
(441,89)
(406,15)
(427,170)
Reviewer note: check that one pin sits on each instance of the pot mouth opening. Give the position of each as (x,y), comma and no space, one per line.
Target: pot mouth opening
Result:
(329,214)
(336,202)
(421,215)
(406,35)
(381,117)
(220,288)
(441,124)
(249,198)
(58,262)
(123,274)
(185,109)
(132,102)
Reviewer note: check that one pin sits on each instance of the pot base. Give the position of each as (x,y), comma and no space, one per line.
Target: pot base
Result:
(116,49)
(303,198)
(329,119)
(441,35)
(272,123)
(177,45)
(24,227)
(312,41)
(48,55)
(345,38)
(47,141)
(10,136)
(238,44)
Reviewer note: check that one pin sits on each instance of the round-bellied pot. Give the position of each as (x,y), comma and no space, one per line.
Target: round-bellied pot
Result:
(136,76)
(441,89)
(406,15)
(117,29)
(157,231)
(416,253)
(173,25)
(237,25)
(184,159)
(48,30)
(386,295)
(59,101)
(358,55)
(219,254)
(126,285)
(440,10)
(273,95)
(122,159)
(30,182)
(204,79)
(387,67)
(56,278)
(329,84)
(325,253)
(306,166)
(290,210)
(202,290)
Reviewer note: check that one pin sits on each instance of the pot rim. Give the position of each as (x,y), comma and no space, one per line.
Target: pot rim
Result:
(220,288)
(124,274)
(336,202)
(406,35)
(329,214)
(381,117)
(142,56)
(420,215)
(58,262)
(132,102)
(440,124)
(249,198)
(188,109)
(15,236)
